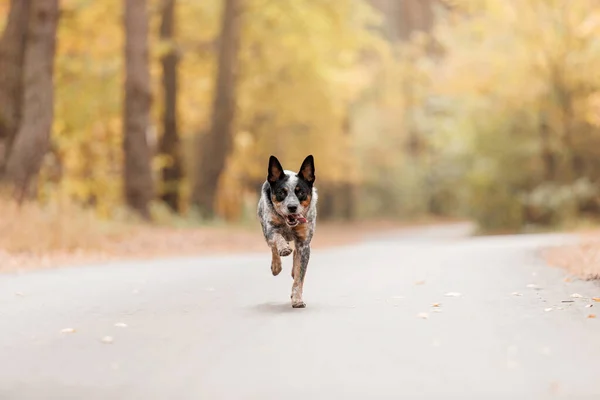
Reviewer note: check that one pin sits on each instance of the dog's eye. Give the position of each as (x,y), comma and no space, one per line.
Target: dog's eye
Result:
(281,194)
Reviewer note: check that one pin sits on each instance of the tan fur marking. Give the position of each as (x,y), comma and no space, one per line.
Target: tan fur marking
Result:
(276,219)
(306,203)
(301,231)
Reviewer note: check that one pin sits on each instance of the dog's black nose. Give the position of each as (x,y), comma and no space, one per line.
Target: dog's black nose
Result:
(292,209)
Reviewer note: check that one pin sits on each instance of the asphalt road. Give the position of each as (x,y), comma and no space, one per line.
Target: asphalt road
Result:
(223,327)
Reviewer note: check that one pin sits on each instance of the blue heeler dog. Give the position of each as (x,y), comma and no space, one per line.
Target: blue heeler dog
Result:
(287,211)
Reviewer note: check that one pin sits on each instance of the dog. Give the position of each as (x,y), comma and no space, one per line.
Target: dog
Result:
(287,211)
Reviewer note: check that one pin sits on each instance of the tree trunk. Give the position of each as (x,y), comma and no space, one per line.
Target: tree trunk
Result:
(169,144)
(33,136)
(139,188)
(547,155)
(12,56)
(216,146)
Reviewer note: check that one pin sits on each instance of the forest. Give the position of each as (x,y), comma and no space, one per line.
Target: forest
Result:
(167,110)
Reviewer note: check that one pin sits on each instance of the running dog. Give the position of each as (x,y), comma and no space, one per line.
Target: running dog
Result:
(287,211)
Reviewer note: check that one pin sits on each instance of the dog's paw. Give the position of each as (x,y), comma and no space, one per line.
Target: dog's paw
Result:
(299,304)
(275,268)
(285,252)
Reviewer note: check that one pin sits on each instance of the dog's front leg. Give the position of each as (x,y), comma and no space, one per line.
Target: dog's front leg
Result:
(301,257)
(277,242)
(279,248)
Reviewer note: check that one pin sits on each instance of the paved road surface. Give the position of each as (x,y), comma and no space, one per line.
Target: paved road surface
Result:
(223,328)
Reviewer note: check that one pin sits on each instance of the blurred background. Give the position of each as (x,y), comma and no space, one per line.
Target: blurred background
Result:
(166,111)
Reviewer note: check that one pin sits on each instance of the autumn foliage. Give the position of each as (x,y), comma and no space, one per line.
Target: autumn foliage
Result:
(484,109)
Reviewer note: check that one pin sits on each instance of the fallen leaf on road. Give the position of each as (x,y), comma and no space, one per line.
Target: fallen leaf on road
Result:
(68,330)
(452,294)
(121,325)
(597,299)
(576,296)
(419,282)
(436,305)
(107,339)
(592,316)
(567,279)
(423,315)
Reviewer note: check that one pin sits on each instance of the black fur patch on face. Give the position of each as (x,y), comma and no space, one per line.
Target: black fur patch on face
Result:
(279,190)
(302,190)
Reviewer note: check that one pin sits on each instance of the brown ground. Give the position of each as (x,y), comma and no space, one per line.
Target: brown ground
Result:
(152,242)
(582,259)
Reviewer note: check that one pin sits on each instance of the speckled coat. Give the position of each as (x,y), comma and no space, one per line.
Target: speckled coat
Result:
(287,211)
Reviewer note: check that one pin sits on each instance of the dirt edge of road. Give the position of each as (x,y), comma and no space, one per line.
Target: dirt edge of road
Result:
(160,242)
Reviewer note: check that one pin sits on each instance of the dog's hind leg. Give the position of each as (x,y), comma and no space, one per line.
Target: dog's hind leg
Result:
(301,258)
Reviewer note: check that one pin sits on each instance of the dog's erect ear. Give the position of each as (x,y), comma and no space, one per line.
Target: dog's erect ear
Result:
(275,170)
(307,170)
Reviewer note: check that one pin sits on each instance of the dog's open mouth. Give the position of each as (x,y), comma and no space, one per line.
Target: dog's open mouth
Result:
(295,219)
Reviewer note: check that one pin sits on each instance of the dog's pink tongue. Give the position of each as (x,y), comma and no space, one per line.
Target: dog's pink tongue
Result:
(301,219)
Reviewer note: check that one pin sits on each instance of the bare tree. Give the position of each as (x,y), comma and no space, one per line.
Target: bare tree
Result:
(169,144)
(139,188)
(33,136)
(218,142)
(12,57)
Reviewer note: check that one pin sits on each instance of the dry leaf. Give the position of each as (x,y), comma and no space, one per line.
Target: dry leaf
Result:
(576,296)
(592,316)
(532,286)
(597,299)
(107,339)
(453,294)
(423,315)
(68,330)
(419,282)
